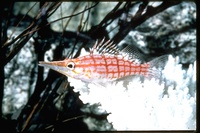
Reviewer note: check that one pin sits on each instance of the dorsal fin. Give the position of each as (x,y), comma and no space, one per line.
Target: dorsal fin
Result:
(105,47)
(109,48)
(132,54)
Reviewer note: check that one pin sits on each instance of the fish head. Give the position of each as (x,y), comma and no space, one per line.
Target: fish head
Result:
(66,67)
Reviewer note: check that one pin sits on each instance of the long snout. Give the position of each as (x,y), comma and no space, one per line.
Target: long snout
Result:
(59,66)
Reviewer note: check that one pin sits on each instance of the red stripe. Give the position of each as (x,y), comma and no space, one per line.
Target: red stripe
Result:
(102,67)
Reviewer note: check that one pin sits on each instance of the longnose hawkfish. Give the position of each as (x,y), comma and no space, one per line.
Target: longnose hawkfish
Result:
(106,62)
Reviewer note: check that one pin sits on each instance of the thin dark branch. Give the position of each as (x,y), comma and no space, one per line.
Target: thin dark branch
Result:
(137,20)
(73,14)
(25,35)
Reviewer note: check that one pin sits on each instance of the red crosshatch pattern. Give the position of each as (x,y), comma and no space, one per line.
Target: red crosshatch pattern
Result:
(110,67)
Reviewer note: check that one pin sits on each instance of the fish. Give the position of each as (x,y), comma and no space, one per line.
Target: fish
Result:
(106,62)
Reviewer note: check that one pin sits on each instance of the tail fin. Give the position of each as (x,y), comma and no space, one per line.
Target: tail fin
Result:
(156,67)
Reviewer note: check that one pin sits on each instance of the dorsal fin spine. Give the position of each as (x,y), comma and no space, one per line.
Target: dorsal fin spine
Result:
(104,47)
(93,48)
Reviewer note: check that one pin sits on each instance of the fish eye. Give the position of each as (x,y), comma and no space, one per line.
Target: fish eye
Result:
(71,65)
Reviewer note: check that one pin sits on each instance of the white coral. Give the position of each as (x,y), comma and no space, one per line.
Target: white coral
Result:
(145,106)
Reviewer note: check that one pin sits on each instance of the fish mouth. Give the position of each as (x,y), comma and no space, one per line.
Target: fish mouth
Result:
(59,66)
